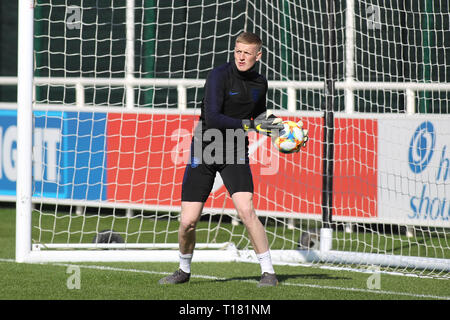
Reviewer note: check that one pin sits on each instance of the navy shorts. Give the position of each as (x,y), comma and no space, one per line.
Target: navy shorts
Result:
(199,179)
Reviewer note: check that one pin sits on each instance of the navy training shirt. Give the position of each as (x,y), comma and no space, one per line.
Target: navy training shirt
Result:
(231,96)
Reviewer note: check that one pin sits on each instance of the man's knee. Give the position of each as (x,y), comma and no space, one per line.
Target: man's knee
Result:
(244,206)
(187,224)
(246,213)
(190,214)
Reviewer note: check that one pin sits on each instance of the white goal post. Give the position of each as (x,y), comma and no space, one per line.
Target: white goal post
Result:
(25,130)
(108,95)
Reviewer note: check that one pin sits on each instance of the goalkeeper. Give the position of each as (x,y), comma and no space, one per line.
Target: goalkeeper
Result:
(235,98)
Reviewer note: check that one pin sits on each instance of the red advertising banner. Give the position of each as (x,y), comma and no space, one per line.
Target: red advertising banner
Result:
(147,155)
(355,168)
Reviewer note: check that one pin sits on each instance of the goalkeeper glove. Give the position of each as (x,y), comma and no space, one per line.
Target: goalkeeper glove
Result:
(265,123)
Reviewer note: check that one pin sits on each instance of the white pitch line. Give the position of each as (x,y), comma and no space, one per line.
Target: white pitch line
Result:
(416,295)
(314,286)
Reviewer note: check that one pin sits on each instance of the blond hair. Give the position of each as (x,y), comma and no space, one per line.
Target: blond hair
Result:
(250,38)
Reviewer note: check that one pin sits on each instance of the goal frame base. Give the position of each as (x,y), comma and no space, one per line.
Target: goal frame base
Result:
(229,253)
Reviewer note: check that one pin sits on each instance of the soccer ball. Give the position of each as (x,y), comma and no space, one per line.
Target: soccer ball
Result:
(107,236)
(310,239)
(291,138)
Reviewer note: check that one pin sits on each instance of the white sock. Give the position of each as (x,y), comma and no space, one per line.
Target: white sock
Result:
(185,262)
(265,262)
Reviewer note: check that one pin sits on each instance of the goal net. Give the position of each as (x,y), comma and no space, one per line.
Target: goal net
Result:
(117,92)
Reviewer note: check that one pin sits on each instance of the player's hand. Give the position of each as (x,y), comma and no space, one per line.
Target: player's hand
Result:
(266,123)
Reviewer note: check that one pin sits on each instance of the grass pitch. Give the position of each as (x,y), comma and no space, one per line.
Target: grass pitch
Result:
(210,281)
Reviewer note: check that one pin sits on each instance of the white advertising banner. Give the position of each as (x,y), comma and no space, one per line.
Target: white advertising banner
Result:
(414,171)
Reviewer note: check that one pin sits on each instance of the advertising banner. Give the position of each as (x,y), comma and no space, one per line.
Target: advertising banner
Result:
(414,171)
(68,154)
(385,170)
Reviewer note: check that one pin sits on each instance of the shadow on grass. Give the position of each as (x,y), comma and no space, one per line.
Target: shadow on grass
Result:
(284,277)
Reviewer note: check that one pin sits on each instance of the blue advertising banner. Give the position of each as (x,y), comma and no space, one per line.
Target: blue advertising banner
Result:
(69,158)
